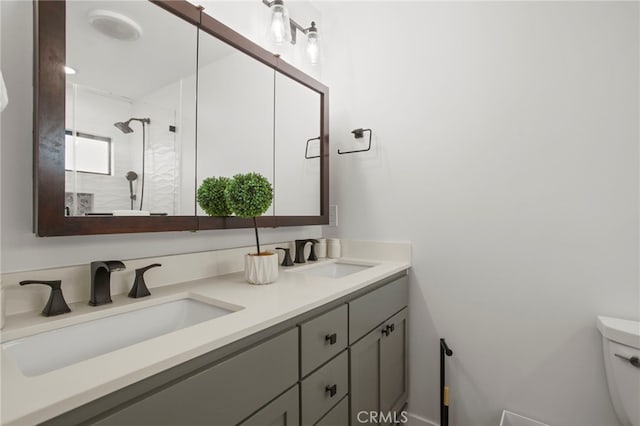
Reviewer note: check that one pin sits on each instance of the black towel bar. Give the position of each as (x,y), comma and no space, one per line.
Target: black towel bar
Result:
(359,133)
(445,351)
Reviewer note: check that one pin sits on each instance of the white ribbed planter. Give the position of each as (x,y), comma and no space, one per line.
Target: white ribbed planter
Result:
(261,269)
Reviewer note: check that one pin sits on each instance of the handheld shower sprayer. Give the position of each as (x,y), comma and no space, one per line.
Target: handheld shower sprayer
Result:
(131,176)
(124,127)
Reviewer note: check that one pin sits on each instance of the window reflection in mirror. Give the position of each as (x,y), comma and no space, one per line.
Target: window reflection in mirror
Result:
(297,163)
(235,113)
(132,60)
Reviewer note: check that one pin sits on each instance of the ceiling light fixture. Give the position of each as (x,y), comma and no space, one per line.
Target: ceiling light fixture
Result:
(68,70)
(284,29)
(115,25)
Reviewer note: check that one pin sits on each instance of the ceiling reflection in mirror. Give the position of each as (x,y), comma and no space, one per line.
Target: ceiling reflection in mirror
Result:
(235,113)
(130,110)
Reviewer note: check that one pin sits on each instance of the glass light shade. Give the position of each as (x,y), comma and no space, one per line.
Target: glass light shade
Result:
(280,28)
(313,50)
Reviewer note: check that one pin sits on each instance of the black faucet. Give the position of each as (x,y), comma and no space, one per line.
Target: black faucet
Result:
(300,245)
(56,304)
(101,281)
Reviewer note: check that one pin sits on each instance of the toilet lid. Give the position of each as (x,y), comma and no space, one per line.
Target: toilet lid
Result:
(626,332)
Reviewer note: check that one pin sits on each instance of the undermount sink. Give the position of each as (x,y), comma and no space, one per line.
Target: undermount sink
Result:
(334,269)
(51,350)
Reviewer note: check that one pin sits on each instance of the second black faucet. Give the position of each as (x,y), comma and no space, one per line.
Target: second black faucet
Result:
(300,245)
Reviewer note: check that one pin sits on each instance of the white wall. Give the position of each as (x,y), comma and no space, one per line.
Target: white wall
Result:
(20,249)
(506,148)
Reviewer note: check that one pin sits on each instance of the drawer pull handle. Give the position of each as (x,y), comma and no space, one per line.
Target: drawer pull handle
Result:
(331,390)
(634,360)
(331,338)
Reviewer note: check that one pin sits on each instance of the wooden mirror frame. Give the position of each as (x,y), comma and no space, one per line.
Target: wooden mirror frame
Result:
(49,130)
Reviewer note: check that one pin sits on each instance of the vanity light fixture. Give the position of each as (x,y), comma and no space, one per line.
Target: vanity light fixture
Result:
(282,28)
(312,44)
(280,25)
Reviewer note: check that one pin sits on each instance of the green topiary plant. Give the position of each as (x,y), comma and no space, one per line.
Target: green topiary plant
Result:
(211,196)
(249,195)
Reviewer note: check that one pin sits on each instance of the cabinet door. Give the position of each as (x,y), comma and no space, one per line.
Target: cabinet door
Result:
(379,373)
(283,411)
(365,376)
(393,365)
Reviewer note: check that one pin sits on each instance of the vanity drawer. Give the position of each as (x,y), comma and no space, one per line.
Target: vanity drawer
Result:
(226,392)
(322,338)
(338,416)
(366,312)
(324,388)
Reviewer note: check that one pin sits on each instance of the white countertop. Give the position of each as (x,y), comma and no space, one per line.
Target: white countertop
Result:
(30,400)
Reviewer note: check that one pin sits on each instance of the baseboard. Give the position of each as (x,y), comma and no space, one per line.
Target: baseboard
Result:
(415,420)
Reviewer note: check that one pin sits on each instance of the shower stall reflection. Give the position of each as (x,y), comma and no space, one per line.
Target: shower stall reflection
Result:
(144,172)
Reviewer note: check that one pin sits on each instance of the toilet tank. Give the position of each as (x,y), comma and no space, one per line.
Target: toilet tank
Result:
(621,342)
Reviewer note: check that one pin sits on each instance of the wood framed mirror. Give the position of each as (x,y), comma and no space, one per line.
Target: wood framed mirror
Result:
(130,133)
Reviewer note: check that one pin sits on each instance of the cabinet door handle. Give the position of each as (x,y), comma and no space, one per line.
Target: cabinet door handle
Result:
(331,390)
(634,360)
(331,338)
(388,329)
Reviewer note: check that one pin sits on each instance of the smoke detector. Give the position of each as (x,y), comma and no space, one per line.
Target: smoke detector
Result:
(115,25)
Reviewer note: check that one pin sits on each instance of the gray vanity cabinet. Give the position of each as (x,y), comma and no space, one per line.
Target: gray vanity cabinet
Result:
(321,368)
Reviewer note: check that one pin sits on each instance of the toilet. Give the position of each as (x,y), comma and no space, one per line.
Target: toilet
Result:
(621,343)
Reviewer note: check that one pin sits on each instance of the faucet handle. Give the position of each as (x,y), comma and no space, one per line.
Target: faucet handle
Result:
(312,254)
(139,288)
(287,256)
(56,304)
(146,268)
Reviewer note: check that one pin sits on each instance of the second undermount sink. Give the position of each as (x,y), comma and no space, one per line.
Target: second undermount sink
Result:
(51,350)
(334,269)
